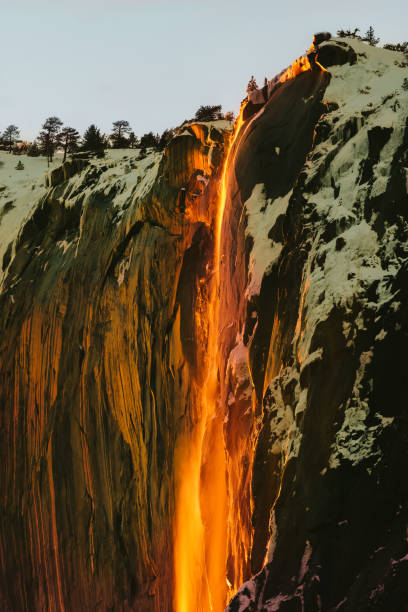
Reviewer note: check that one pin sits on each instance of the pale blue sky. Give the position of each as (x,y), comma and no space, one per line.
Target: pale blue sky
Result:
(154,62)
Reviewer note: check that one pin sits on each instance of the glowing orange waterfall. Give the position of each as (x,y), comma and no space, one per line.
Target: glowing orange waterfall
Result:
(202,509)
(200,535)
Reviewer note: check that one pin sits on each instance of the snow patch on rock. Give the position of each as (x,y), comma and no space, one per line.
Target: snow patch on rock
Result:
(20,191)
(262,214)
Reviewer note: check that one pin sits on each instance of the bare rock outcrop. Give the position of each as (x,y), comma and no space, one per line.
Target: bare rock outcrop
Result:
(328,353)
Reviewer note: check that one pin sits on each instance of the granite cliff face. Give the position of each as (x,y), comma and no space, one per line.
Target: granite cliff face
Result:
(202,360)
(327,353)
(97,358)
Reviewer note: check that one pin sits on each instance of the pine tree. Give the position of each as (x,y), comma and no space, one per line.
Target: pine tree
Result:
(68,140)
(252,85)
(208,113)
(165,139)
(48,137)
(149,140)
(370,37)
(10,135)
(20,165)
(93,140)
(118,137)
(133,140)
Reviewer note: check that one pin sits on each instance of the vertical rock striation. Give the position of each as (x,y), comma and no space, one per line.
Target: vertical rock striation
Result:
(98,352)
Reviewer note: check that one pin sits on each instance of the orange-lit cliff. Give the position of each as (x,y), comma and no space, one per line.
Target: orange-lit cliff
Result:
(202,359)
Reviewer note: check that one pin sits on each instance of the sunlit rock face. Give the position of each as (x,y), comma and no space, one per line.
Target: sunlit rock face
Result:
(327,213)
(97,357)
(198,406)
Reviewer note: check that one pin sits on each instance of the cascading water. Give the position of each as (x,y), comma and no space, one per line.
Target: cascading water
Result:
(201,493)
(206,542)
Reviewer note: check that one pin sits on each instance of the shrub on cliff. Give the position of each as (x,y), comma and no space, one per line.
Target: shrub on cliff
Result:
(149,140)
(348,33)
(370,37)
(208,113)
(33,149)
(252,84)
(397,47)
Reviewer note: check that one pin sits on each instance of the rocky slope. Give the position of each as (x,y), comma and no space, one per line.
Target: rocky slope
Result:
(121,299)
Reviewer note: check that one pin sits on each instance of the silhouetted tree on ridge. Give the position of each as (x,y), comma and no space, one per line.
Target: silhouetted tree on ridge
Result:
(149,140)
(252,85)
(93,140)
(48,137)
(370,37)
(208,113)
(10,135)
(133,140)
(68,140)
(118,137)
(165,139)
(403,47)
(348,33)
